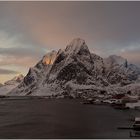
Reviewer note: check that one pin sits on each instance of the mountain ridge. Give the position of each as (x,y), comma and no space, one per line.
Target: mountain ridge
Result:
(58,72)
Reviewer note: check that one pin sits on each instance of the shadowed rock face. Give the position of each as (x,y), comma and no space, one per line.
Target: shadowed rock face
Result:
(77,65)
(73,71)
(71,62)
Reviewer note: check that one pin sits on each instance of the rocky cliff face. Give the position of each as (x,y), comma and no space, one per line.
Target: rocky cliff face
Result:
(75,68)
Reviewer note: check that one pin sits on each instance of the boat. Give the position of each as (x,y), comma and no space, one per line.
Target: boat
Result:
(134,134)
(136,125)
(136,128)
(119,105)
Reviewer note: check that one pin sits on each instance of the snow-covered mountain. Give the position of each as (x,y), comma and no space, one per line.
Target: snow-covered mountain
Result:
(10,84)
(75,70)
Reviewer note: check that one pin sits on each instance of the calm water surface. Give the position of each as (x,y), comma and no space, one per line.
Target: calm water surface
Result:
(61,118)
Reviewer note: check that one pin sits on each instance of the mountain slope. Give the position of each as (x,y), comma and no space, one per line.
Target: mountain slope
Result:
(35,76)
(11,84)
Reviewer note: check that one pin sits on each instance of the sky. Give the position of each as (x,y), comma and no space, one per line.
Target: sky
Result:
(28,30)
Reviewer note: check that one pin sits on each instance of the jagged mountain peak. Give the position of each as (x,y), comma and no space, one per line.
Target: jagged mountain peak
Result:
(77,42)
(75,46)
(75,51)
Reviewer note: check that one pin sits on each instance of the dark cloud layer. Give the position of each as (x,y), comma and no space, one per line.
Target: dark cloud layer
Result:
(5,71)
(29,29)
(54,22)
(21,52)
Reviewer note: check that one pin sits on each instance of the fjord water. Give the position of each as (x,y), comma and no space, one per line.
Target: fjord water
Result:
(61,118)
